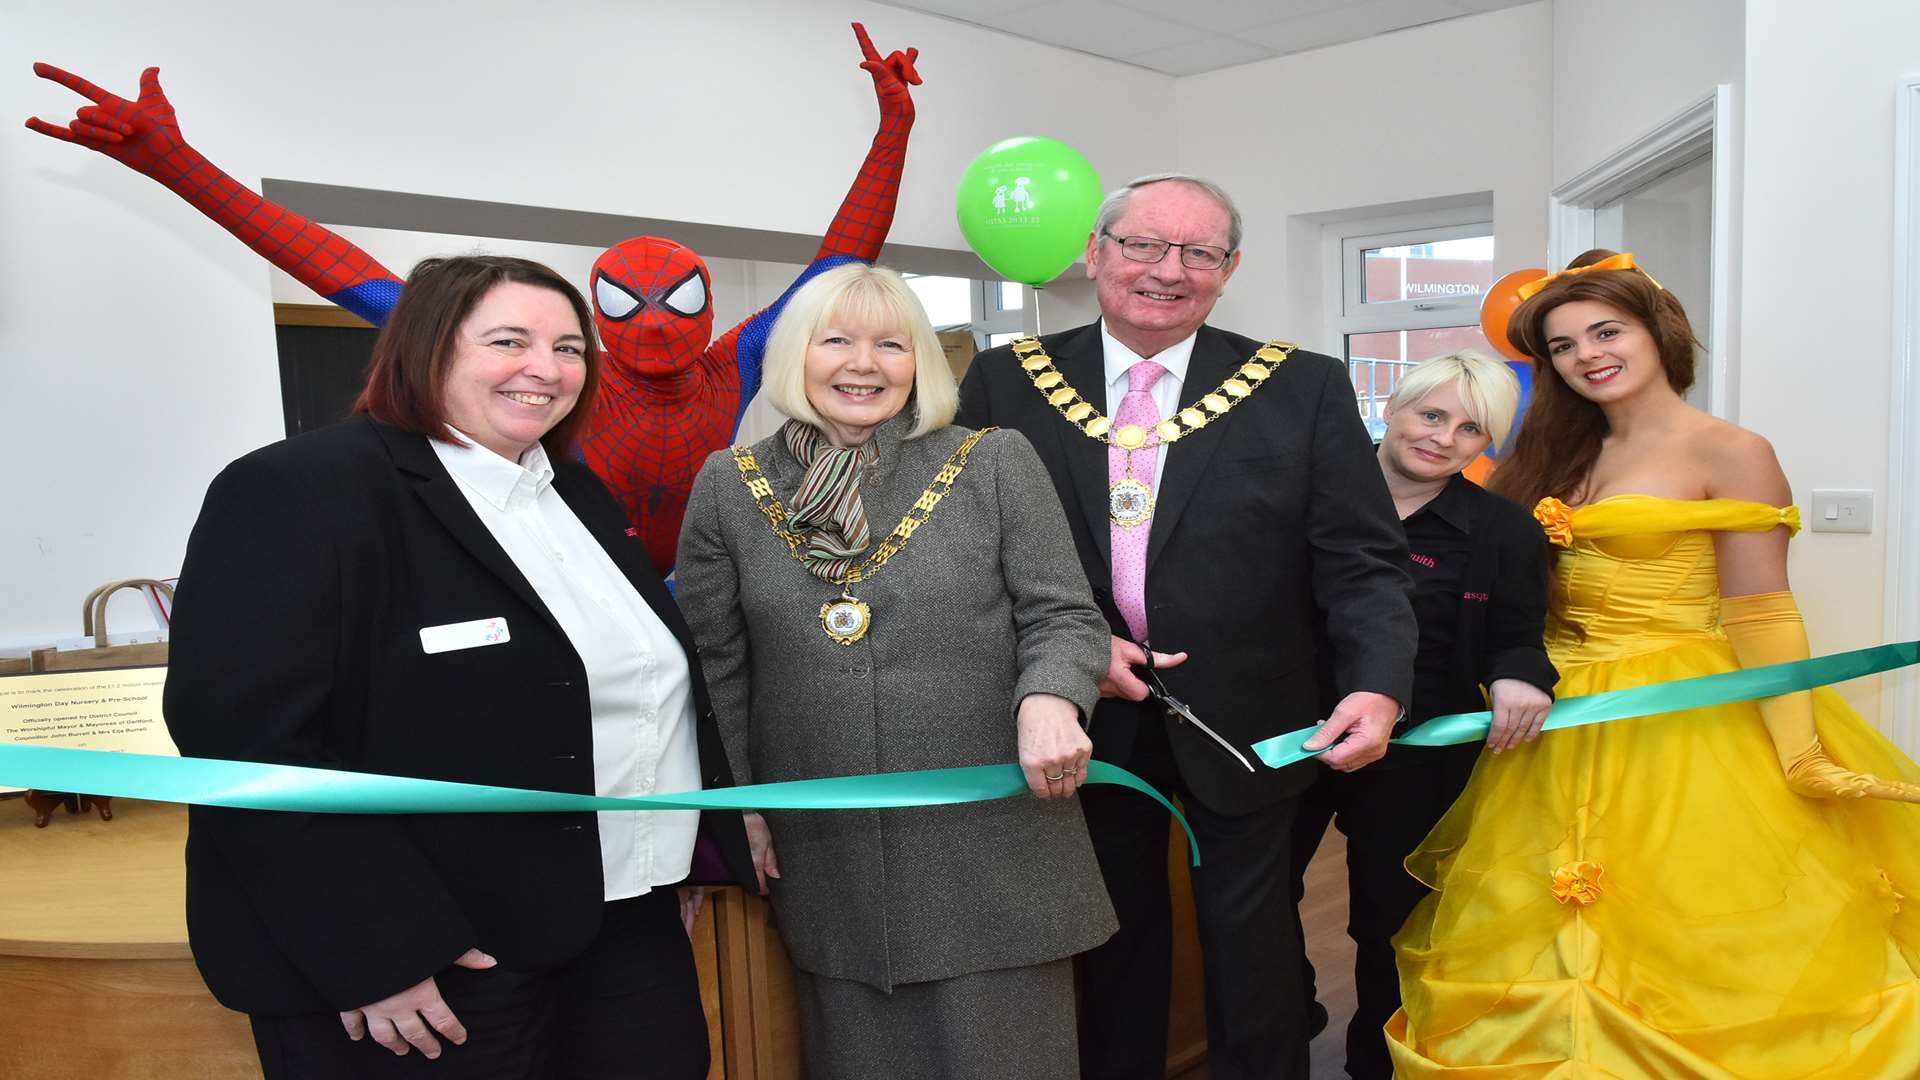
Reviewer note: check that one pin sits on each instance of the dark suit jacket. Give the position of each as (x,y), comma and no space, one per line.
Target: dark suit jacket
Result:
(312,568)
(1267,520)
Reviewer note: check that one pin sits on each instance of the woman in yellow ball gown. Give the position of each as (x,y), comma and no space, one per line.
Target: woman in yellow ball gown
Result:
(1723,892)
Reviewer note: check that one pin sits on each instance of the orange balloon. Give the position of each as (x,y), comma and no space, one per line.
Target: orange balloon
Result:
(1498,306)
(1481,468)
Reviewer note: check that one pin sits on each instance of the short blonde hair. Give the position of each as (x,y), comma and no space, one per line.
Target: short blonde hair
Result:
(871,296)
(1488,388)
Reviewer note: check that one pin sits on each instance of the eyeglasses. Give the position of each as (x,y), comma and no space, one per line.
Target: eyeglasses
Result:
(1150,249)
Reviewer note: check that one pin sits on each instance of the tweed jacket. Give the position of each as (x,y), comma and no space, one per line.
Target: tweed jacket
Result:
(986,605)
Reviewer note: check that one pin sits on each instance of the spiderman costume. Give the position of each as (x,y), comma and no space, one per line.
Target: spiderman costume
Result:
(670,394)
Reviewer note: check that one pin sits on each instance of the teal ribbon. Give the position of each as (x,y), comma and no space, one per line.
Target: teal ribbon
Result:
(1695,693)
(248,785)
(251,785)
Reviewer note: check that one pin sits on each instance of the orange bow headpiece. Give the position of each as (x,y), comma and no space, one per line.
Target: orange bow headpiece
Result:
(1622,261)
(1507,294)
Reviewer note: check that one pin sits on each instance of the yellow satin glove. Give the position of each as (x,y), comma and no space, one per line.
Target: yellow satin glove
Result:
(1766,628)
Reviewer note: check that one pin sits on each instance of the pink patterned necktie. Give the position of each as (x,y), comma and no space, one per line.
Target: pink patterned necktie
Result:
(1130,541)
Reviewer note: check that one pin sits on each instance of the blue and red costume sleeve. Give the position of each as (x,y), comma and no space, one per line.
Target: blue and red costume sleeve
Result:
(144,135)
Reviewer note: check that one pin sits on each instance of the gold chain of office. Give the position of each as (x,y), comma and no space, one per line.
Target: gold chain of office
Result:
(1098,426)
(846,620)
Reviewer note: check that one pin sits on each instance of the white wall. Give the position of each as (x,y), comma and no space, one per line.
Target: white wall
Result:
(1440,110)
(1816,325)
(1623,66)
(137,339)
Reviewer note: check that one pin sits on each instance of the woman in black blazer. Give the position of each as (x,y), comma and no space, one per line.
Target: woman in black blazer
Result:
(437,588)
(1479,566)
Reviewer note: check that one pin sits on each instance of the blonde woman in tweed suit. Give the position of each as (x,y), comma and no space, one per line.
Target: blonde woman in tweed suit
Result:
(928,942)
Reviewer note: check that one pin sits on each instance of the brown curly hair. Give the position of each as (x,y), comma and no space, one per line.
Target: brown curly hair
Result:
(1560,433)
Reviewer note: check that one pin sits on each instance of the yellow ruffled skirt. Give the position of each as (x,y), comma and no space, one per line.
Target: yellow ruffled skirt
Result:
(1646,899)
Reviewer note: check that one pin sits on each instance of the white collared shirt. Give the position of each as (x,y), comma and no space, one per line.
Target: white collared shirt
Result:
(1166,392)
(638,683)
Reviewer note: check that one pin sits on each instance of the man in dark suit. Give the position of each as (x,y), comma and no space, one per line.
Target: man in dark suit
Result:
(1227,504)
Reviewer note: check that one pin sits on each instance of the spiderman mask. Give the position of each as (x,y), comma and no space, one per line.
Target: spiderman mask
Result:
(653,303)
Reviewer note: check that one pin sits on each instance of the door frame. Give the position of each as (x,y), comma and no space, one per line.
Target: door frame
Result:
(1900,692)
(1706,126)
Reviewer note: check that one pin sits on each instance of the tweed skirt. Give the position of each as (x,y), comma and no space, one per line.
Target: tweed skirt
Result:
(1010,1024)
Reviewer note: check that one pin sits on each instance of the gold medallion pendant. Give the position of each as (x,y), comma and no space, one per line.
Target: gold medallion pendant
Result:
(1129,503)
(846,620)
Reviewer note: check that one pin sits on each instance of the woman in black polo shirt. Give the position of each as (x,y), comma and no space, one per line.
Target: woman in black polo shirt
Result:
(1479,565)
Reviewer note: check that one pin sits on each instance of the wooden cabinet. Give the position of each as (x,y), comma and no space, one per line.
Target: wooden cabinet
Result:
(94,967)
(99,984)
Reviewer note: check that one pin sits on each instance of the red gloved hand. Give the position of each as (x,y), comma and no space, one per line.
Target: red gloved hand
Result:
(143,135)
(891,76)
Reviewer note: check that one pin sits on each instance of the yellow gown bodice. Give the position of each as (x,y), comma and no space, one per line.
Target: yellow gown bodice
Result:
(1646,899)
(1638,573)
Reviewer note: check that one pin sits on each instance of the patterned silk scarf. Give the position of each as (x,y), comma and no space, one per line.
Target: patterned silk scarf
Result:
(827,507)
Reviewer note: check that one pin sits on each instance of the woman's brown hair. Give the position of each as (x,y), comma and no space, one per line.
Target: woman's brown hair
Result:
(406,380)
(1560,432)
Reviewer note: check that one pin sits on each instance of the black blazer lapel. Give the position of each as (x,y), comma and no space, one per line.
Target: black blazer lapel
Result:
(1186,466)
(1082,359)
(413,458)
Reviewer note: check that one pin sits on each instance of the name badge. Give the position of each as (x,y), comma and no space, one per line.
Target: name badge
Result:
(464,635)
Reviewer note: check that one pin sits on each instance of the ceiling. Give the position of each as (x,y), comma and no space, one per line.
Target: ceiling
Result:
(1192,36)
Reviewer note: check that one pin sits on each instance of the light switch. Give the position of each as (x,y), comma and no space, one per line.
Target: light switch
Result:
(1839,510)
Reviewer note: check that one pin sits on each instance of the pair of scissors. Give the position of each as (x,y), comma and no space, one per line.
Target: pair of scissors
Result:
(1184,714)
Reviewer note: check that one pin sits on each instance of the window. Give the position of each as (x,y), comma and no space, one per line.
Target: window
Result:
(1002,314)
(1424,276)
(948,300)
(1407,295)
(994,310)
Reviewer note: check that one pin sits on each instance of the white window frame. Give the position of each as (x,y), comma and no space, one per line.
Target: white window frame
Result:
(991,318)
(1343,244)
(1409,314)
(986,315)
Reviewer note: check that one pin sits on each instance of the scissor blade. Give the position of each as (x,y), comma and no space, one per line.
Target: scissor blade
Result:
(1186,714)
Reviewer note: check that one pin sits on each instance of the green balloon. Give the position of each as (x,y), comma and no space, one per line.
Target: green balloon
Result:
(1026,206)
